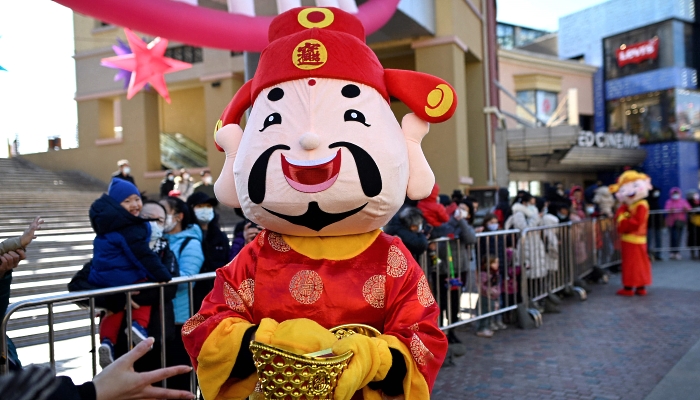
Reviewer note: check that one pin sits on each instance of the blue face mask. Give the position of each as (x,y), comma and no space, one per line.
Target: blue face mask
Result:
(492,227)
(561,216)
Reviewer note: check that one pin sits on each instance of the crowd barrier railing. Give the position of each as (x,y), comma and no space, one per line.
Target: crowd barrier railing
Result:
(90,295)
(673,231)
(468,287)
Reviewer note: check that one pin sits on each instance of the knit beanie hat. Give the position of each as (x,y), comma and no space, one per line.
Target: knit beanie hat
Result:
(119,189)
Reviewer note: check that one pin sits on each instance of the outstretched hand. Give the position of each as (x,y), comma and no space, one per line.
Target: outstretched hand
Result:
(119,381)
(29,233)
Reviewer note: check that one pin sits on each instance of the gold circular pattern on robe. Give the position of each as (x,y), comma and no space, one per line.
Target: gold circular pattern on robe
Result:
(277,242)
(425,296)
(233,300)
(192,323)
(306,287)
(247,292)
(374,292)
(396,264)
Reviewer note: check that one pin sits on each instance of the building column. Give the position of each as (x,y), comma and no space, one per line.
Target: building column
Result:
(141,133)
(446,145)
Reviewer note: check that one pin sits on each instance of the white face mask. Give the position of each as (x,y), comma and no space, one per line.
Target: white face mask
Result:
(169,224)
(676,196)
(126,170)
(460,214)
(204,214)
(171,178)
(532,208)
(590,210)
(420,227)
(156,230)
(185,176)
(492,227)
(207,180)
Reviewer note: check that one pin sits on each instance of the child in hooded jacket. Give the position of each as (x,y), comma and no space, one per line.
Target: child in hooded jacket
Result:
(122,256)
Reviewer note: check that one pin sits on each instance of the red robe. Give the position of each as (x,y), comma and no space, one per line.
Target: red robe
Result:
(632,226)
(382,286)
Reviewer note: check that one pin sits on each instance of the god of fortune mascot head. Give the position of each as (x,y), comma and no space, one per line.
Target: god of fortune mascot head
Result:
(631,187)
(322,153)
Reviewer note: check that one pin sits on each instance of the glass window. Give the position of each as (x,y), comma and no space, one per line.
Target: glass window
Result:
(535,188)
(540,102)
(652,116)
(512,189)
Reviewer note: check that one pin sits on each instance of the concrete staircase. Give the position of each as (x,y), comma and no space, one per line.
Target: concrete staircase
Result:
(63,245)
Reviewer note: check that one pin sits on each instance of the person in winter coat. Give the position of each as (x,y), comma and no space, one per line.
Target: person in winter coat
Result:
(530,252)
(577,203)
(694,224)
(676,219)
(215,246)
(550,236)
(455,264)
(503,210)
(185,240)
(655,224)
(167,184)
(604,200)
(184,184)
(122,256)
(410,229)
(433,212)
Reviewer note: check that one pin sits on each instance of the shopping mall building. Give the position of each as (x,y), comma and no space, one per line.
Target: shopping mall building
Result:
(647,82)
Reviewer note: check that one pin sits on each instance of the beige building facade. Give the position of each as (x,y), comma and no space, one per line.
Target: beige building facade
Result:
(441,37)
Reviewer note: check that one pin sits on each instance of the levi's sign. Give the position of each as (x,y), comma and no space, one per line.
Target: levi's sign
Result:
(608,140)
(638,52)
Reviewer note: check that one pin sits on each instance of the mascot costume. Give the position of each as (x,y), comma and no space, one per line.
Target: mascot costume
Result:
(322,304)
(631,189)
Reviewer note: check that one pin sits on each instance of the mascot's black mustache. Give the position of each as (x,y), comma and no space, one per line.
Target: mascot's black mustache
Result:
(370,178)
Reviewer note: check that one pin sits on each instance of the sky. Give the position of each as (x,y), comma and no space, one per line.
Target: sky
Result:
(36,47)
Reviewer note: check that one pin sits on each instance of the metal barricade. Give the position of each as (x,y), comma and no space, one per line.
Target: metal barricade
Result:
(583,254)
(468,291)
(547,254)
(673,232)
(607,243)
(90,296)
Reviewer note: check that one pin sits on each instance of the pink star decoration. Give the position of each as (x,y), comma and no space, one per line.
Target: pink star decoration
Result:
(147,64)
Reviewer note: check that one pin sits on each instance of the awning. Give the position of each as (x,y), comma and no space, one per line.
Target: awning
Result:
(556,149)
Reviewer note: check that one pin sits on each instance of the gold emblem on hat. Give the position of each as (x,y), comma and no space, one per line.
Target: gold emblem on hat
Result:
(218,126)
(303,17)
(309,54)
(439,100)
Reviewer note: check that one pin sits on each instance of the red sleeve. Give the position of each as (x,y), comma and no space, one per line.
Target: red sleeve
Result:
(634,220)
(412,315)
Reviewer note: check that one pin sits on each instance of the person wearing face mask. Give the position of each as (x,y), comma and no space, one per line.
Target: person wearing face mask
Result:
(655,224)
(206,185)
(167,184)
(676,219)
(531,247)
(184,184)
(215,245)
(185,239)
(124,171)
(122,256)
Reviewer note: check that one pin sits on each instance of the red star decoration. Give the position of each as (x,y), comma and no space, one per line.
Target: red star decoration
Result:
(147,63)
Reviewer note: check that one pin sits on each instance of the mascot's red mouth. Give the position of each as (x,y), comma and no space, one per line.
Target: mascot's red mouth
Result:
(311,176)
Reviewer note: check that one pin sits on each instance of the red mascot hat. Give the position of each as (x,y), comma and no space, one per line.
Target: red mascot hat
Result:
(330,43)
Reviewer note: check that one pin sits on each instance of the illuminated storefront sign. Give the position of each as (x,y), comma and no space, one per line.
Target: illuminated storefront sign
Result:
(638,52)
(608,140)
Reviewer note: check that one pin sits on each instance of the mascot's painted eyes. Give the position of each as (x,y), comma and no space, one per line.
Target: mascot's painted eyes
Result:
(276,119)
(350,91)
(354,115)
(275,94)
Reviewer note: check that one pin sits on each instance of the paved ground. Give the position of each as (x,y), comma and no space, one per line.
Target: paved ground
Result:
(607,347)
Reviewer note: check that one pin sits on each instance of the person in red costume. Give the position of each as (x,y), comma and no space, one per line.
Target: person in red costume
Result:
(323,165)
(434,213)
(631,189)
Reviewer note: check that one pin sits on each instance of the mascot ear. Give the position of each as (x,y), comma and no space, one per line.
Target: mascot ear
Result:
(429,97)
(227,137)
(235,109)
